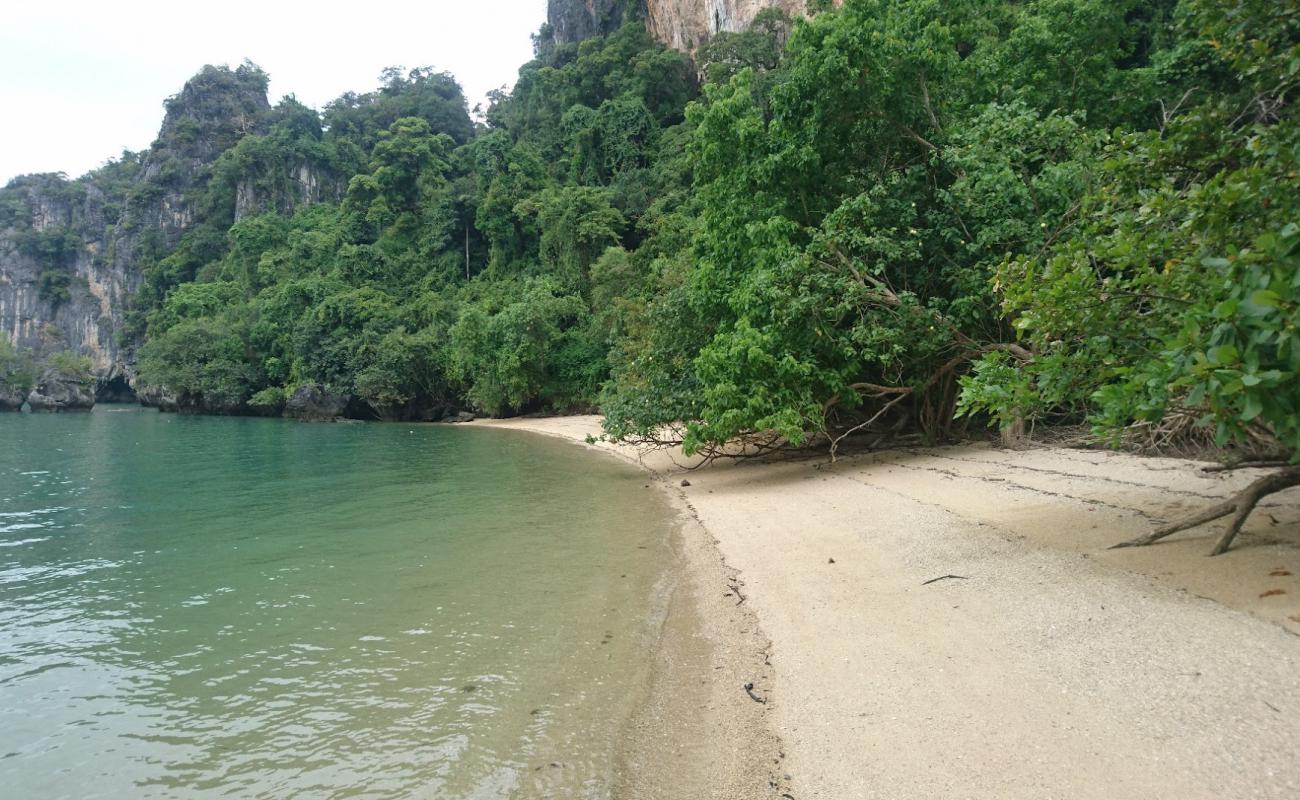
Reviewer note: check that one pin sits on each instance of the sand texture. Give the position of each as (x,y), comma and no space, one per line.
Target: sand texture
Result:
(1051,668)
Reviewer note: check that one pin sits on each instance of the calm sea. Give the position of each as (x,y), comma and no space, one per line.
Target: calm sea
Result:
(196,607)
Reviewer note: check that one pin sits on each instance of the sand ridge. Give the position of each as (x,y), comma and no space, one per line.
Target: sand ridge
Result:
(1051,667)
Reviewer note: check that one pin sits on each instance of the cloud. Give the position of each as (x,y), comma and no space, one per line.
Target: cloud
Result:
(79,81)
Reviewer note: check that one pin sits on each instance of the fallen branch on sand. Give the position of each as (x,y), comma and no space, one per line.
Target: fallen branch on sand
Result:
(1239,506)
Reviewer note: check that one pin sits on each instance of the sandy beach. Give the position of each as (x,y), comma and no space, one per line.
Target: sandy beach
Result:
(1038,665)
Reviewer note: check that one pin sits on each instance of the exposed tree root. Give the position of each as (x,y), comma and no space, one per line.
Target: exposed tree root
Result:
(1181,433)
(1246,465)
(1238,506)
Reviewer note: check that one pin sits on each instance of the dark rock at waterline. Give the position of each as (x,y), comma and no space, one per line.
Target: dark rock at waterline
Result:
(266,406)
(157,397)
(211,406)
(58,391)
(312,402)
(188,403)
(418,409)
(461,416)
(11,397)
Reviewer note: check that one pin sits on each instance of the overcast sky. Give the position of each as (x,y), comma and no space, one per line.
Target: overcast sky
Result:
(82,79)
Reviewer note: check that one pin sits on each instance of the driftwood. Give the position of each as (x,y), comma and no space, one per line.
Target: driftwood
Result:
(1239,507)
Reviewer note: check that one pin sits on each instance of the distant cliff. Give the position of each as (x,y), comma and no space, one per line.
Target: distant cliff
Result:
(73,252)
(680,24)
(686,24)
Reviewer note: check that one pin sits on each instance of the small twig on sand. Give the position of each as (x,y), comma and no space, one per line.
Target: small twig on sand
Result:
(944,578)
(749,690)
(735,589)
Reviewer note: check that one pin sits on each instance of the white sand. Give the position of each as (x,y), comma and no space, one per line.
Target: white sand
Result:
(1054,669)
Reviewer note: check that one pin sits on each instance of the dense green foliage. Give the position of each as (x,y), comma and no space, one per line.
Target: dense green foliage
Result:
(1065,210)
(69,366)
(17,368)
(1178,288)
(892,216)
(857,200)
(448,266)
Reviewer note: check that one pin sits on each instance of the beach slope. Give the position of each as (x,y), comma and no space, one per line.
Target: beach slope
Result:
(947,622)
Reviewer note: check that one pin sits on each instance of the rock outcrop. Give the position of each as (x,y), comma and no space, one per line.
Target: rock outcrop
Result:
(156,397)
(58,391)
(72,251)
(575,20)
(686,24)
(681,24)
(11,397)
(314,403)
(65,277)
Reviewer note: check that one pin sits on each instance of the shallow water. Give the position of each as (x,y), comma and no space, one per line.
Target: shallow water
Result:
(203,607)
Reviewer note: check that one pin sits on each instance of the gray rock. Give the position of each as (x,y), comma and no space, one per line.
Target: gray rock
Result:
(314,403)
(416,410)
(56,391)
(462,416)
(157,397)
(11,397)
(575,20)
(112,227)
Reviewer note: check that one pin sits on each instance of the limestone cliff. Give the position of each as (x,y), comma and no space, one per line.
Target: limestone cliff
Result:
(575,20)
(686,24)
(72,252)
(59,285)
(680,24)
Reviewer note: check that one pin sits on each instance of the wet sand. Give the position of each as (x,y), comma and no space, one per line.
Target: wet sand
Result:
(1047,666)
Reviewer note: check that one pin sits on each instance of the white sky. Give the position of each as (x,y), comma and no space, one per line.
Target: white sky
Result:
(82,79)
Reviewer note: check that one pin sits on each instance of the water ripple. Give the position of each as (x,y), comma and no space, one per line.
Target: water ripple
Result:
(199,607)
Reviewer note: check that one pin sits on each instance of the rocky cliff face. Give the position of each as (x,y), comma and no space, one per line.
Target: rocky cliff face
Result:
(72,252)
(686,24)
(680,24)
(575,20)
(64,285)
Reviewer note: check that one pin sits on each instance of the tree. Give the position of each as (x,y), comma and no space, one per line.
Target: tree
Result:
(1177,294)
(577,224)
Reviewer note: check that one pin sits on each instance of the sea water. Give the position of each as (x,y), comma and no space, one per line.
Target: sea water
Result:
(197,607)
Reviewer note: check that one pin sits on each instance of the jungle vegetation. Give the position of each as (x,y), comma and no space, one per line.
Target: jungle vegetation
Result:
(894,217)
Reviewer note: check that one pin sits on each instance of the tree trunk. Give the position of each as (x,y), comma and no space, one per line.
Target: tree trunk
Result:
(1014,434)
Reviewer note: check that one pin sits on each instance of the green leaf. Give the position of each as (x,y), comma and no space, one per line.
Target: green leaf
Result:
(1252,408)
(1223,354)
(1266,298)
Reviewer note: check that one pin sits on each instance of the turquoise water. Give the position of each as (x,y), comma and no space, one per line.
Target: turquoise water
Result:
(205,607)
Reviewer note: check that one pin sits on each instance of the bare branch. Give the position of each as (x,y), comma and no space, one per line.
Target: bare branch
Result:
(929,108)
(835,442)
(1245,465)
(1239,506)
(1167,114)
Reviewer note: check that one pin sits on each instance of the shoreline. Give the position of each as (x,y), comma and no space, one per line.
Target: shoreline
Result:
(1048,666)
(694,732)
